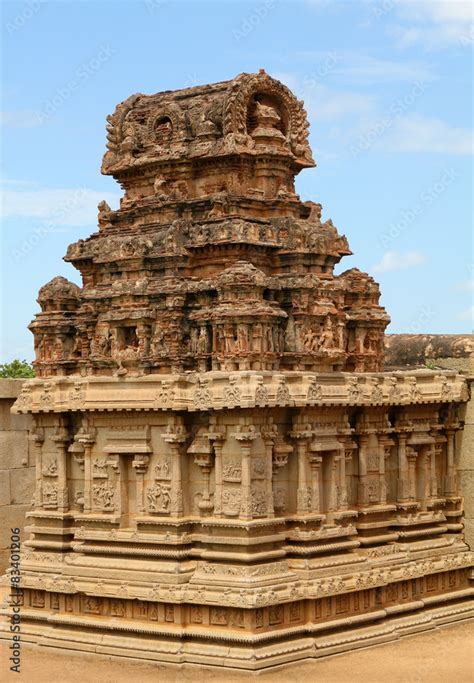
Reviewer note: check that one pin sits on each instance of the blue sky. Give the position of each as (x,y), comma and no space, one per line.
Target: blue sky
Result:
(387,86)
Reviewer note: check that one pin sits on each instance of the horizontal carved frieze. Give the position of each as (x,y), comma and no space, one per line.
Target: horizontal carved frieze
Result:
(242,389)
(202,591)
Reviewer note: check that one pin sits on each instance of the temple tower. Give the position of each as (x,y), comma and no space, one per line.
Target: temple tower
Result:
(225,473)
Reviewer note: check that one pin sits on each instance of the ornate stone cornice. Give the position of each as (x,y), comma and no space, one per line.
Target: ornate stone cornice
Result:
(234,390)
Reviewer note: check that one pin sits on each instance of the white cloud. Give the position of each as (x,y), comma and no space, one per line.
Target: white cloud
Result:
(359,67)
(287,78)
(363,123)
(58,207)
(419,134)
(326,104)
(369,70)
(21,118)
(393,260)
(441,11)
(435,24)
(467,285)
(468,314)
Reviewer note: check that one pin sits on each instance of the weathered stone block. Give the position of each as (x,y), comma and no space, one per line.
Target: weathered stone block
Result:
(4,559)
(10,421)
(10,388)
(5,493)
(466,486)
(11,516)
(13,449)
(469,532)
(22,485)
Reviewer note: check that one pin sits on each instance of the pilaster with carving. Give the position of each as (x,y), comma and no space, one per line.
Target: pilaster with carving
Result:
(36,439)
(85,439)
(201,449)
(140,464)
(302,434)
(176,436)
(217,438)
(269,436)
(363,494)
(403,486)
(61,438)
(450,486)
(245,437)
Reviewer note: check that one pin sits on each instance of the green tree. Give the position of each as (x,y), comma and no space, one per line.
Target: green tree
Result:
(17,368)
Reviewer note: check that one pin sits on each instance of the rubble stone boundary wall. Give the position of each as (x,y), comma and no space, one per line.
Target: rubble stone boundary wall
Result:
(17,471)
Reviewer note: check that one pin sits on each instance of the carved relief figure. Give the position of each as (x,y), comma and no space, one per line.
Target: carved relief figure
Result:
(99,467)
(103,496)
(231,502)
(314,391)
(202,344)
(162,470)
(50,495)
(232,471)
(159,498)
(326,340)
(232,393)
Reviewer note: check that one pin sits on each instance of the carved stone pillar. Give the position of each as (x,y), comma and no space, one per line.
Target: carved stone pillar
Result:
(140,464)
(411,455)
(269,436)
(201,449)
(110,495)
(402,483)
(333,466)
(86,438)
(304,491)
(245,439)
(348,455)
(217,438)
(341,459)
(144,335)
(362,497)
(61,438)
(385,451)
(36,438)
(436,451)
(204,460)
(175,436)
(425,462)
(315,461)
(450,479)
(281,451)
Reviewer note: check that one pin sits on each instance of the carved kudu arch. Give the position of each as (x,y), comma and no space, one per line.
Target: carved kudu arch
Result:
(293,113)
(175,116)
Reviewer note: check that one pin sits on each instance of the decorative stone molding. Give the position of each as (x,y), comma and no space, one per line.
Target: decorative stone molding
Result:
(220,391)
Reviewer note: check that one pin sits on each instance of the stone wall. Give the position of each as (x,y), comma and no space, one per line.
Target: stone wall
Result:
(453,352)
(448,352)
(405,351)
(17,472)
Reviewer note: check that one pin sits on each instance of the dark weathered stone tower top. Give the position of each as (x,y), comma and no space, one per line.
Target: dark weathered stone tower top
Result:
(211,262)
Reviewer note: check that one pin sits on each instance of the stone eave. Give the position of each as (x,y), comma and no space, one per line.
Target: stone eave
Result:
(211,390)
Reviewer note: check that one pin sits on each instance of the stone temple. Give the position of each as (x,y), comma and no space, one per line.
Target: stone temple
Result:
(225,474)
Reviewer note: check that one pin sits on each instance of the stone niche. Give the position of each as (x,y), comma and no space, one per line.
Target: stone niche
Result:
(225,474)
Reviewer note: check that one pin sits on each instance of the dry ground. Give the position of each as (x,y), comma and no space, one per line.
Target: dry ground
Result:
(441,656)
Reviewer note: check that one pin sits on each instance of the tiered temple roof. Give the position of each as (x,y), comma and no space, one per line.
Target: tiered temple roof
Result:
(212,261)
